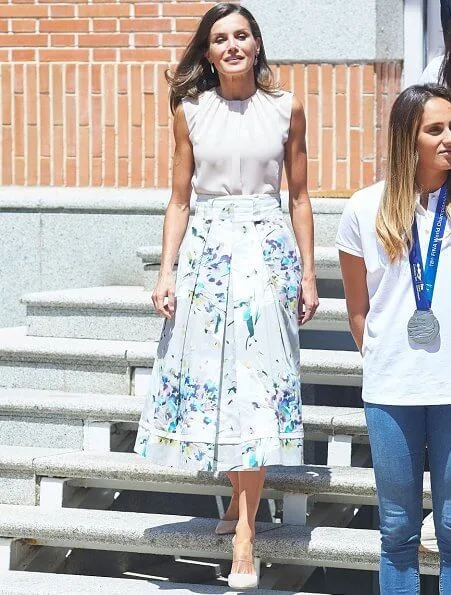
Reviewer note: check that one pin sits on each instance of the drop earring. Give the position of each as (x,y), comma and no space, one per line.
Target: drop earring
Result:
(255,59)
(212,68)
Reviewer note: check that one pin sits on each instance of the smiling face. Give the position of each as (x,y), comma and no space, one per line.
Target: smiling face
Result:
(232,47)
(434,136)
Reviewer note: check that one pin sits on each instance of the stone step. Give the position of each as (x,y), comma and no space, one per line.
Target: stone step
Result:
(118,470)
(326,260)
(16,582)
(126,312)
(188,536)
(99,407)
(92,365)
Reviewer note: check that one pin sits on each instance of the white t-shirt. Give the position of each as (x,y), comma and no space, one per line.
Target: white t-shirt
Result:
(396,371)
(432,71)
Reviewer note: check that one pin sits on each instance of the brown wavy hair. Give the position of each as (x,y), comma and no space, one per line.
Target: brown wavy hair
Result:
(193,75)
(397,208)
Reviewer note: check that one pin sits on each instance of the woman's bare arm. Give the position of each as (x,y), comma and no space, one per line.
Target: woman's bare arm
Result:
(353,271)
(177,215)
(300,207)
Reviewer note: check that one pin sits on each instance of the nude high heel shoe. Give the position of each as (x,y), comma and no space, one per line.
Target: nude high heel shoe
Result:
(240,581)
(225,527)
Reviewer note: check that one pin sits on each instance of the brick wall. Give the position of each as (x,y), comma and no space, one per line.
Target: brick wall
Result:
(84,99)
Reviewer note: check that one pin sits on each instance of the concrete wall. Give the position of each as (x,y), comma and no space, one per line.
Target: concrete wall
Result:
(57,239)
(333,31)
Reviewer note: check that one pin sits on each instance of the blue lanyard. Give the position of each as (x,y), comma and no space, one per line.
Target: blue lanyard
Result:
(423,279)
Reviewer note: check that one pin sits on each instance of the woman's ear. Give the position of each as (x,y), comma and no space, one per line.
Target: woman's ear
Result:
(258,43)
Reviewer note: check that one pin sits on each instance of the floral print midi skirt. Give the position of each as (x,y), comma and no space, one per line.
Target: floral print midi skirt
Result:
(225,389)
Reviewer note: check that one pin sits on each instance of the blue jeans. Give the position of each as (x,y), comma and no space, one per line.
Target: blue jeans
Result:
(398,438)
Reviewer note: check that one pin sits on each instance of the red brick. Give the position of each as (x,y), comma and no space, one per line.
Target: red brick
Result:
(188,9)
(23,55)
(62,11)
(109,94)
(18,78)
(186,24)
(148,78)
(103,55)
(58,153)
(96,126)
(105,25)
(327,95)
(4,26)
(19,125)
(21,39)
(123,172)
(146,40)
(151,55)
(104,11)
(22,26)
(71,172)
(64,26)
(71,135)
(44,171)
(83,94)
(146,10)
(123,126)
(58,55)
(84,156)
(65,41)
(130,25)
(19,171)
(355,97)
(136,157)
(96,79)
(109,178)
(32,155)
(44,117)
(149,125)
(70,78)
(163,158)
(136,95)
(57,93)
(25,11)
(100,40)
(176,39)
(7,153)
(31,97)
(313,78)
(44,77)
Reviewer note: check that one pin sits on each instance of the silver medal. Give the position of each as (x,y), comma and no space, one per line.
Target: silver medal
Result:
(423,327)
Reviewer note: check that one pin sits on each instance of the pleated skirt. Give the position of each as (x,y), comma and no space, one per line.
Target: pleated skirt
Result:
(225,391)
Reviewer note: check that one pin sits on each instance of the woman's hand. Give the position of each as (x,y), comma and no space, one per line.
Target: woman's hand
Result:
(308,302)
(165,292)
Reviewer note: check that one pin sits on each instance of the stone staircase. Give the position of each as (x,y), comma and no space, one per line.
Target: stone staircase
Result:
(72,386)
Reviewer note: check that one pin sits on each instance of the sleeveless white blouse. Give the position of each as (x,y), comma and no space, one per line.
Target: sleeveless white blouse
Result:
(238,145)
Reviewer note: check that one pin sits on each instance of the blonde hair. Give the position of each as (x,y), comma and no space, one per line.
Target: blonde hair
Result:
(397,209)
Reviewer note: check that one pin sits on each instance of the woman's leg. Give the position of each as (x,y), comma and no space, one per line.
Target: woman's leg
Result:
(439,450)
(398,438)
(249,490)
(231,514)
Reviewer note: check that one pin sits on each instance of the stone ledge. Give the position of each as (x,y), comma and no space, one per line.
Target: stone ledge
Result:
(175,535)
(127,311)
(354,482)
(326,260)
(148,201)
(16,582)
(127,408)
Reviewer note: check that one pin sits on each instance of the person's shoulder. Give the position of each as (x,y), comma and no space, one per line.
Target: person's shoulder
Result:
(367,199)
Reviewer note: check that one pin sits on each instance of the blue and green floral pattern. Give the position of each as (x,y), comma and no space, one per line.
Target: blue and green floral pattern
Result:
(225,389)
